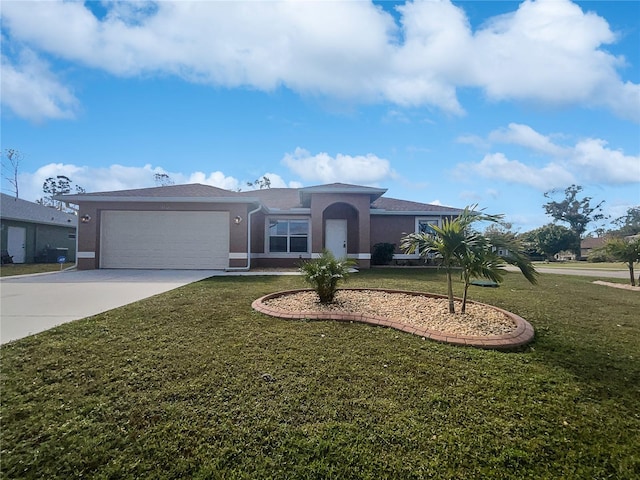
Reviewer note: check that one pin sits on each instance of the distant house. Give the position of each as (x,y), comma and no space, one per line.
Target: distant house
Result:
(202,227)
(34,233)
(590,243)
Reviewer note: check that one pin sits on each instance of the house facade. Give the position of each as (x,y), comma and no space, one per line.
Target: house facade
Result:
(202,227)
(33,233)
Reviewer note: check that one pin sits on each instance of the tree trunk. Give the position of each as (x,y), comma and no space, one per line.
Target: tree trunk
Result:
(633,279)
(464,297)
(452,308)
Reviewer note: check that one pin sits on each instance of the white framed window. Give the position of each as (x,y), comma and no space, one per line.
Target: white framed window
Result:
(288,236)
(423,224)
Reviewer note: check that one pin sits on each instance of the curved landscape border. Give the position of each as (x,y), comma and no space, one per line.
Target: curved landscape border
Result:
(522,335)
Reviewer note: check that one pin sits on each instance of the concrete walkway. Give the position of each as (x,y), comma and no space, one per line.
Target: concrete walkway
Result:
(34,303)
(582,272)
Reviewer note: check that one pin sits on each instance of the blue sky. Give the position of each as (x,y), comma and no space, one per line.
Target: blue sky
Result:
(456,103)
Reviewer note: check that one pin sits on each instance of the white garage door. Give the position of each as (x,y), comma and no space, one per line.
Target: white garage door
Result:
(186,240)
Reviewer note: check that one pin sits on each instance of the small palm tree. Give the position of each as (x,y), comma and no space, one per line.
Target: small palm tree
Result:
(458,245)
(447,243)
(324,274)
(626,252)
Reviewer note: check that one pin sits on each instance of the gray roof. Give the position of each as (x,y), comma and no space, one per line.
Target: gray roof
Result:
(23,211)
(395,205)
(271,198)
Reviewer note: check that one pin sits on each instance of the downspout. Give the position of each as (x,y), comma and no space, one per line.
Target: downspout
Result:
(248,267)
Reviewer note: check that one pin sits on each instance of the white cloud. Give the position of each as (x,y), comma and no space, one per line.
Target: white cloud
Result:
(588,161)
(31,91)
(544,52)
(526,136)
(119,177)
(362,169)
(600,164)
(497,166)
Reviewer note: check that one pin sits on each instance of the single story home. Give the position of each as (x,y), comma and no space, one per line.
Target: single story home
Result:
(203,227)
(587,245)
(33,233)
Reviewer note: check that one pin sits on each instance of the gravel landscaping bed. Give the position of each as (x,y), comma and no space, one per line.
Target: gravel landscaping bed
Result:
(426,312)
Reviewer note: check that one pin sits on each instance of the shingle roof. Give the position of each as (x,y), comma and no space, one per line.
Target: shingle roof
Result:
(272,198)
(395,205)
(276,198)
(188,190)
(24,211)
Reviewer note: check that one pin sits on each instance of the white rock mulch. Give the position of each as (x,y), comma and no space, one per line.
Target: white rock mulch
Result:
(425,312)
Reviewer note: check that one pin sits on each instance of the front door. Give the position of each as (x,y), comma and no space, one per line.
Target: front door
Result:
(335,238)
(16,237)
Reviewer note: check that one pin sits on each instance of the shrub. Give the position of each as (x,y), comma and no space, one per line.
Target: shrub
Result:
(382,253)
(324,273)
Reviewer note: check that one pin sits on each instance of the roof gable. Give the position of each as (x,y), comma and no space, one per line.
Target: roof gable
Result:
(12,208)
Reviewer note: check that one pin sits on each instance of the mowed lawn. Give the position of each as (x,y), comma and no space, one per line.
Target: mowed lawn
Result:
(194,384)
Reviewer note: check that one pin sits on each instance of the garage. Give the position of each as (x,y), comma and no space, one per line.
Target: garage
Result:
(164,239)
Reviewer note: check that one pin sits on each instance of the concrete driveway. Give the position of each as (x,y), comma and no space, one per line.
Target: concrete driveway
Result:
(32,304)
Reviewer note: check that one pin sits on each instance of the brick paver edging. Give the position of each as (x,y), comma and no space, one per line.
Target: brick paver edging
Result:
(522,335)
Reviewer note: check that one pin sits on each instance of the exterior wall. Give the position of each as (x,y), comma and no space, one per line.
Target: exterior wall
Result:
(391,229)
(89,232)
(39,237)
(361,203)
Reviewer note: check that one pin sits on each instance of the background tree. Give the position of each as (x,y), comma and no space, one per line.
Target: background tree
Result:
(60,185)
(264,182)
(550,239)
(577,212)
(10,168)
(625,251)
(163,180)
(628,224)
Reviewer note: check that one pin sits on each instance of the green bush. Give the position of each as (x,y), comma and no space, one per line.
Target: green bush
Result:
(324,273)
(382,253)
(598,255)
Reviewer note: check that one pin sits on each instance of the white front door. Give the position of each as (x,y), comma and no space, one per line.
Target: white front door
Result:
(335,238)
(16,238)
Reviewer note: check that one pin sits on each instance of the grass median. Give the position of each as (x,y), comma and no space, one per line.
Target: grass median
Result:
(193,383)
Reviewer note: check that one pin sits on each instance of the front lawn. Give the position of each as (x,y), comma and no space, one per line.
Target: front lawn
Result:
(12,269)
(194,384)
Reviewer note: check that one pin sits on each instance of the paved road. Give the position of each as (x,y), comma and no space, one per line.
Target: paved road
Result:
(583,272)
(32,304)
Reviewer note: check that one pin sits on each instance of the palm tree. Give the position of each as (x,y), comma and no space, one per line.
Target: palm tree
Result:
(626,252)
(447,244)
(458,245)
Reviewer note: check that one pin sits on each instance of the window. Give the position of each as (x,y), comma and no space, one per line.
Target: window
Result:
(288,236)
(423,225)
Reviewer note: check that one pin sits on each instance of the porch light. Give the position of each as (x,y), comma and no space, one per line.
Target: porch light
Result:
(237,220)
(85,218)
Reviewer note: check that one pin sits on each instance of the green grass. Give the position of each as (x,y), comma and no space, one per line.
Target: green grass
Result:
(174,387)
(12,269)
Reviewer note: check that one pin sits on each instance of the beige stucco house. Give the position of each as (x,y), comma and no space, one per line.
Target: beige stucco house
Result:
(202,227)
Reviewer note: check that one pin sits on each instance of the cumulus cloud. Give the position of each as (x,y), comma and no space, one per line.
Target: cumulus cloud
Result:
(526,136)
(544,52)
(498,166)
(588,160)
(32,91)
(362,169)
(119,177)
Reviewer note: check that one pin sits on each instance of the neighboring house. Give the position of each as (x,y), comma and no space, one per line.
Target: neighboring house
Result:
(202,227)
(589,244)
(34,233)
